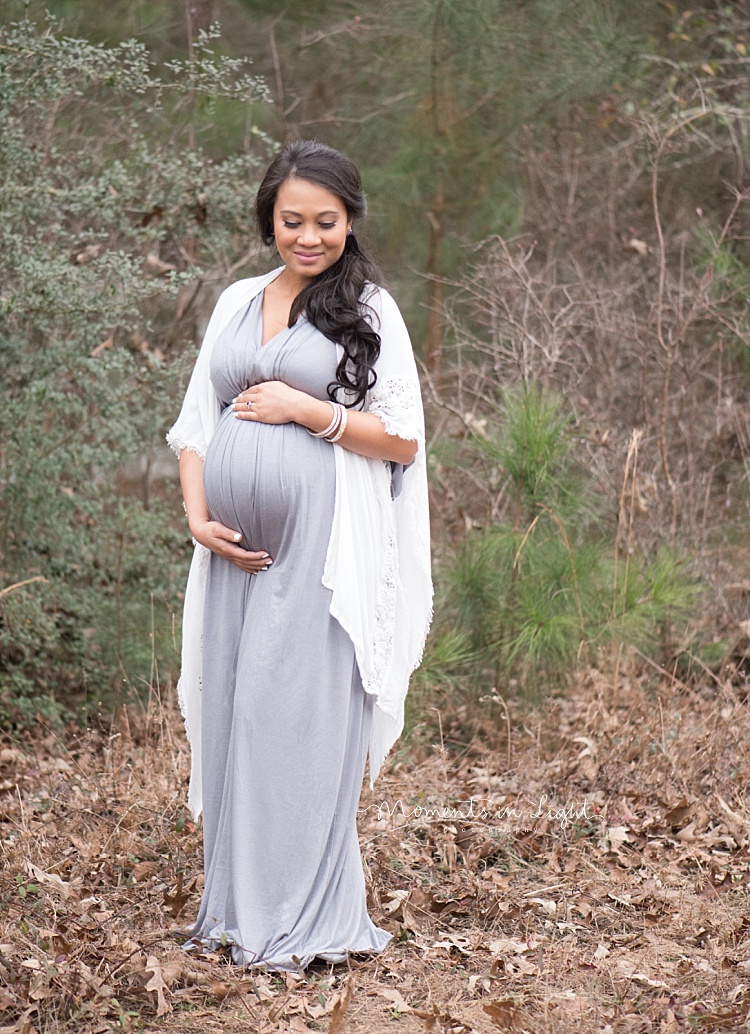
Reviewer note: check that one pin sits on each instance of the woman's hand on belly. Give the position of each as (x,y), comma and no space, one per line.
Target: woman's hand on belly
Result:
(274,402)
(223,541)
(271,402)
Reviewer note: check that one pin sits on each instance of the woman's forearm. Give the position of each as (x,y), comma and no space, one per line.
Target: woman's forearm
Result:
(365,432)
(191,480)
(274,402)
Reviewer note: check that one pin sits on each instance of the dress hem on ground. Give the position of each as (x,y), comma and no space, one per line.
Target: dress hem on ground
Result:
(284,964)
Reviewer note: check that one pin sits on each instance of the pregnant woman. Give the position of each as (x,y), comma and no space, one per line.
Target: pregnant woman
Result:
(302,464)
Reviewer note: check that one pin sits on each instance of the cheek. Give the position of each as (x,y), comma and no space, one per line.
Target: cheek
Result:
(284,240)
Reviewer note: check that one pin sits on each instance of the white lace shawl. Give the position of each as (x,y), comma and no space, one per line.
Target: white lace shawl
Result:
(378,560)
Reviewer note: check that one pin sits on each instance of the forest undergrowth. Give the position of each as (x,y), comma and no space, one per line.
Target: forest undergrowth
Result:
(582,865)
(561,841)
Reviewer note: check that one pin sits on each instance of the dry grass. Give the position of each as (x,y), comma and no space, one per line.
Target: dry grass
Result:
(622,906)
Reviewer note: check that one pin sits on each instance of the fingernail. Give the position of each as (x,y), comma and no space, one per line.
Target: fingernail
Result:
(268,563)
(235,398)
(236,536)
(265,556)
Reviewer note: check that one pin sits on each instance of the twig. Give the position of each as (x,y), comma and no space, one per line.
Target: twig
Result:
(668,674)
(19,585)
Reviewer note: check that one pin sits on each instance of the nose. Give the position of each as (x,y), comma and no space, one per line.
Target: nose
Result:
(309,235)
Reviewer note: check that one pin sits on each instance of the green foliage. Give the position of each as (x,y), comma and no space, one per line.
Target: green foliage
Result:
(437,102)
(31,630)
(529,441)
(110,223)
(534,594)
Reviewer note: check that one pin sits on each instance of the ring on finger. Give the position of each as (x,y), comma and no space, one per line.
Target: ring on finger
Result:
(249,403)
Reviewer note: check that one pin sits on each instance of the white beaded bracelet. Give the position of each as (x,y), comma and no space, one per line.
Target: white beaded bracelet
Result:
(335,421)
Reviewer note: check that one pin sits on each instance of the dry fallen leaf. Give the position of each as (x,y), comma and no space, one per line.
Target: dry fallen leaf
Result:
(178,897)
(614,838)
(505,1014)
(23,1024)
(143,870)
(519,966)
(548,906)
(394,996)
(395,901)
(341,1002)
(511,945)
(573,1004)
(157,983)
(51,880)
(298,1026)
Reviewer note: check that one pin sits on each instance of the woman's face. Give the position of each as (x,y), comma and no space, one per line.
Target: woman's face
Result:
(310,225)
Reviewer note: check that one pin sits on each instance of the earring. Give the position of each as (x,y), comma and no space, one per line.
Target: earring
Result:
(350,233)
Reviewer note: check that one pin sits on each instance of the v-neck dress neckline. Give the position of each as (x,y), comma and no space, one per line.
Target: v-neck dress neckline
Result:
(262,324)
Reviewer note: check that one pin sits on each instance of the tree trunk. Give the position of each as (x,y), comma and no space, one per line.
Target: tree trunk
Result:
(433,342)
(199,15)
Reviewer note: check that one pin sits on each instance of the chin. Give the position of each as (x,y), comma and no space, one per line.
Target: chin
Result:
(311,270)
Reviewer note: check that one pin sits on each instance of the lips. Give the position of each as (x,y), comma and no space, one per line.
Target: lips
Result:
(307,258)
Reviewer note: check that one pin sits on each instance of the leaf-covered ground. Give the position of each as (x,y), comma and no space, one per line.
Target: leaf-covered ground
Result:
(589,872)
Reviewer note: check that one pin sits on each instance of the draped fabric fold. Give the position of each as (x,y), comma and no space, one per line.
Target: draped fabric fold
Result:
(378,560)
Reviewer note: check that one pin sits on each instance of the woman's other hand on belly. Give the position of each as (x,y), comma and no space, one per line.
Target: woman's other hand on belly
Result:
(224,542)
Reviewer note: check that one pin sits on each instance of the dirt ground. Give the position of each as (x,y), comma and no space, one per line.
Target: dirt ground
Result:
(580,866)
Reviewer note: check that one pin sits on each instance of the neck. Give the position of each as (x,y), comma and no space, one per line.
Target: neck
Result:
(290,285)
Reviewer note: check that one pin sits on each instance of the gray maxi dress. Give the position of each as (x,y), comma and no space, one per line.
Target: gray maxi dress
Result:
(285,718)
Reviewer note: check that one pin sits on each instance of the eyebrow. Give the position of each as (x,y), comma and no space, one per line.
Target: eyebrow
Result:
(288,211)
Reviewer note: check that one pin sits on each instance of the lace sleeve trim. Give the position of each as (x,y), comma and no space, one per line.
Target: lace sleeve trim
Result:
(395,401)
(177,443)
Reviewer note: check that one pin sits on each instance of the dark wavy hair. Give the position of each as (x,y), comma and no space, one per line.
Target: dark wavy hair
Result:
(332,300)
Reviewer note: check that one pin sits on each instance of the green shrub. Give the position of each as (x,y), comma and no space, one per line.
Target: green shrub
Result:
(111,223)
(535,593)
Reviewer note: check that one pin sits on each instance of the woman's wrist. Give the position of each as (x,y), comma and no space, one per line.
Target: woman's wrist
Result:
(314,414)
(195,524)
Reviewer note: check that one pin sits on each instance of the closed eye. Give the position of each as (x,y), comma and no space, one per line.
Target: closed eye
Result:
(293,225)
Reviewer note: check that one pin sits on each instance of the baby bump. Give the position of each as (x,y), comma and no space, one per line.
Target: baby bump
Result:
(274,483)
